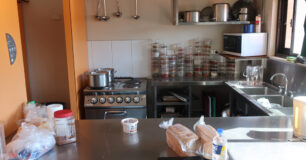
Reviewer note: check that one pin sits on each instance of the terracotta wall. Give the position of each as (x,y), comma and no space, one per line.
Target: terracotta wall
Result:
(12,81)
(76,51)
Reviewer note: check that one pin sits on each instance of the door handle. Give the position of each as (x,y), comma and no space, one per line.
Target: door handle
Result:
(118,113)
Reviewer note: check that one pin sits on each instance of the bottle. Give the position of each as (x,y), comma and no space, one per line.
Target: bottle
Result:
(219,146)
(258,24)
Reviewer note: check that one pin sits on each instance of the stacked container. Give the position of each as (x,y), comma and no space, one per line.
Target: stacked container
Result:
(180,63)
(164,61)
(197,61)
(155,60)
(222,66)
(172,65)
(189,63)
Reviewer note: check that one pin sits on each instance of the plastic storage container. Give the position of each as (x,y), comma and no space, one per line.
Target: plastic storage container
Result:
(2,141)
(64,126)
(219,146)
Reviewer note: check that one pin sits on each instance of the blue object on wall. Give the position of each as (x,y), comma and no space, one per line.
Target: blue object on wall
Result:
(11,48)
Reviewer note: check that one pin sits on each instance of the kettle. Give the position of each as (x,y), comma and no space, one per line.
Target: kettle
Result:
(299,117)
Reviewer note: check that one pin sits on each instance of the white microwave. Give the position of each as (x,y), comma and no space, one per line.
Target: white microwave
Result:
(245,44)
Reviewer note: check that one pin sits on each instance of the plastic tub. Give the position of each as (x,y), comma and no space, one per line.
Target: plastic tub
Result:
(129,125)
(188,73)
(197,74)
(64,125)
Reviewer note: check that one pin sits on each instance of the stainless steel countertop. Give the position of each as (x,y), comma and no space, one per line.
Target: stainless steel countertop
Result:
(191,81)
(288,111)
(103,139)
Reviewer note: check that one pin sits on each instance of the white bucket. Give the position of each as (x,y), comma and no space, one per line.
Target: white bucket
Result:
(129,125)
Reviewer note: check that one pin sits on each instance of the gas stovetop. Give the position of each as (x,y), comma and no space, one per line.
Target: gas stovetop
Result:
(122,93)
(126,85)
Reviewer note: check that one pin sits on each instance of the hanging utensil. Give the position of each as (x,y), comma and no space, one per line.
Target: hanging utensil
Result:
(118,13)
(99,17)
(105,17)
(136,16)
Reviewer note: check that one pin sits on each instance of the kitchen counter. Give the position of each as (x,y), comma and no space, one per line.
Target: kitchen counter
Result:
(191,81)
(103,139)
(281,111)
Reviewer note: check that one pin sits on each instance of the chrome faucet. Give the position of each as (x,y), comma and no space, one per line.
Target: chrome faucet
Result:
(286,81)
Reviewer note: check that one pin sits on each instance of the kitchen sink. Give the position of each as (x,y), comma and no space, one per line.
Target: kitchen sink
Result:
(258,91)
(283,101)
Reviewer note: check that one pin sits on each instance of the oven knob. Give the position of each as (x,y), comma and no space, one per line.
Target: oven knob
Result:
(102,100)
(136,99)
(111,100)
(127,99)
(93,100)
(119,100)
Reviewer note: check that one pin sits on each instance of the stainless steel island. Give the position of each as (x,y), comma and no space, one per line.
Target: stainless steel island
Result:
(104,139)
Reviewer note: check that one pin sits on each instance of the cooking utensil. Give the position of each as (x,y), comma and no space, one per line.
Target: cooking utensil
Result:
(136,16)
(105,17)
(110,71)
(206,14)
(221,12)
(192,16)
(118,13)
(98,79)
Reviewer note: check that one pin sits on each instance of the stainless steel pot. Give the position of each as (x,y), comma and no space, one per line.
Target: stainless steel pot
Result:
(221,12)
(98,79)
(192,16)
(110,71)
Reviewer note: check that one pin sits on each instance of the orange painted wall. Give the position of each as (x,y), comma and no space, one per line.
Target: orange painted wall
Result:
(12,80)
(76,51)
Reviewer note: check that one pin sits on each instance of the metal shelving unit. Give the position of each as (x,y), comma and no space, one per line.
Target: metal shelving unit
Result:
(175,10)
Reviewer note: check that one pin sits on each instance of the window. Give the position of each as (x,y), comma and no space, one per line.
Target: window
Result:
(290,26)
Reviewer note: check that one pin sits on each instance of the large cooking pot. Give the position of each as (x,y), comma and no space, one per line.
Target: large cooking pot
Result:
(192,16)
(98,79)
(221,12)
(111,73)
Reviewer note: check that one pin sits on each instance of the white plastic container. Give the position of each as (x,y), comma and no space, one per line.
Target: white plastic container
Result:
(64,125)
(299,117)
(219,146)
(2,141)
(50,111)
(129,125)
(258,24)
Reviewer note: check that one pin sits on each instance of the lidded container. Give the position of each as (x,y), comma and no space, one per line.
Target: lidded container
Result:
(64,126)
(299,117)
(2,141)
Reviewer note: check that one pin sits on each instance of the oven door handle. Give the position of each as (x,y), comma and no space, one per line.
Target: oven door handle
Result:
(118,113)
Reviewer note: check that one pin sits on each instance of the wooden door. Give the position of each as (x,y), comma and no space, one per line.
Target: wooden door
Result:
(12,80)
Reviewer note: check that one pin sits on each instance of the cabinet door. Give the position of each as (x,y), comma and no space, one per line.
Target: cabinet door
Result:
(12,82)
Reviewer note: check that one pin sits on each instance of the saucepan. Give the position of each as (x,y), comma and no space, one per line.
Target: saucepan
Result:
(98,79)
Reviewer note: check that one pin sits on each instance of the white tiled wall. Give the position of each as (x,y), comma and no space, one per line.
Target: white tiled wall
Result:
(130,58)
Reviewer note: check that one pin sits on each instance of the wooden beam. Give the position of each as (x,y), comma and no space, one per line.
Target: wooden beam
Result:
(76,50)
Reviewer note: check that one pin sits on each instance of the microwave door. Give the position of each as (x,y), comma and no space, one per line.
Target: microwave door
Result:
(232,44)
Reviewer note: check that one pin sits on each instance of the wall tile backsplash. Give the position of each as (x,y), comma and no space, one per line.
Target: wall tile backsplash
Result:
(130,58)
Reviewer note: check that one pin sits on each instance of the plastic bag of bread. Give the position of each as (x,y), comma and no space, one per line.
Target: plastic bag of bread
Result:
(180,139)
(206,134)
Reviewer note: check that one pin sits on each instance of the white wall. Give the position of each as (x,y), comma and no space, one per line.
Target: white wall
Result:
(45,49)
(130,58)
(155,23)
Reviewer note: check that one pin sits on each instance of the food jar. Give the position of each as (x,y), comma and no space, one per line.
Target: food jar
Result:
(64,126)
(188,73)
(197,74)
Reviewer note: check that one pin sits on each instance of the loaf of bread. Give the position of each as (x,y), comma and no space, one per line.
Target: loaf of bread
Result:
(182,140)
(206,134)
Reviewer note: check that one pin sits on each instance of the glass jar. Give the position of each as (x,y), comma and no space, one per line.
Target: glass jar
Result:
(64,126)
